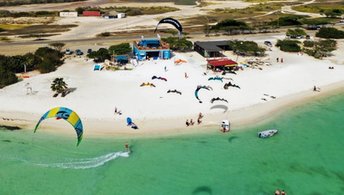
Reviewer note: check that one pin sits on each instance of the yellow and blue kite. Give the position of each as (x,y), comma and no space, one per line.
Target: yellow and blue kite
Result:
(66,114)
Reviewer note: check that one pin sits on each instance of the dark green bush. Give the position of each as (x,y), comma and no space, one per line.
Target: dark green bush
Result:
(6,77)
(120,49)
(246,48)
(101,55)
(330,33)
(289,45)
(320,49)
(291,20)
(177,44)
(295,32)
(308,43)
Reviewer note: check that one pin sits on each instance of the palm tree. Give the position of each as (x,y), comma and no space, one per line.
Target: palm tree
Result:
(59,85)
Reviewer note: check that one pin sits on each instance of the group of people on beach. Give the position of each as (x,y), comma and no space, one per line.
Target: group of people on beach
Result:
(118,111)
(279,60)
(280,192)
(316,89)
(191,122)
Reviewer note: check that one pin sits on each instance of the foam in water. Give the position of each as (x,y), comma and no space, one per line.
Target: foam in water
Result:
(88,162)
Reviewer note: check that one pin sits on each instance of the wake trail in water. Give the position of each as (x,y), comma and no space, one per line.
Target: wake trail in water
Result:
(87,163)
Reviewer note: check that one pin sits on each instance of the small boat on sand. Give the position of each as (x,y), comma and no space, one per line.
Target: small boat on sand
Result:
(267,133)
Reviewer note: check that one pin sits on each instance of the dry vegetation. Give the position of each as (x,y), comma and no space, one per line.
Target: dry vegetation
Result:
(318,7)
(27,20)
(177,2)
(25,2)
(38,30)
(265,12)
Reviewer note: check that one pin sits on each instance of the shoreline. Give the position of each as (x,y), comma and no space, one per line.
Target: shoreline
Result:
(153,128)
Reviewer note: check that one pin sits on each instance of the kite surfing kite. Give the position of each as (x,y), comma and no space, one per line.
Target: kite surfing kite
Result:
(216,78)
(66,114)
(160,78)
(199,88)
(172,21)
(147,84)
(218,99)
(174,91)
(230,84)
(131,123)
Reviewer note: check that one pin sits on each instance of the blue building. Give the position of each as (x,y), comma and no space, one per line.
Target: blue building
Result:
(151,48)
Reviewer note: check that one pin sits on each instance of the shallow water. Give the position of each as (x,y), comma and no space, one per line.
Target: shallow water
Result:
(306,157)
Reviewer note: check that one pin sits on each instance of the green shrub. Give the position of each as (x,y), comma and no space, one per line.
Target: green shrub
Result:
(326,45)
(6,77)
(291,20)
(46,66)
(179,44)
(44,59)
(297,31)
(101,55)
(320,49)
(231,26)
(120,49)
(246,48)
(308,43)
(50,59)
(317,21)
(289,45)
(332,13)
(330,33)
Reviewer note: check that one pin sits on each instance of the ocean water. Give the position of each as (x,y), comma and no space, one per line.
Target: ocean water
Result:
(306,157)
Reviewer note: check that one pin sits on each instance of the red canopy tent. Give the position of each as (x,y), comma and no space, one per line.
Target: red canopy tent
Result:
(221,63)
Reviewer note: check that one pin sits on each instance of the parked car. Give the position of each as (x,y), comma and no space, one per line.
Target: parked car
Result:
(295,36)
(268,43)
(68,52)
(79,52)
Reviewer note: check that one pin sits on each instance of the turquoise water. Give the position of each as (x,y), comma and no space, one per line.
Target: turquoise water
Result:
(306,157)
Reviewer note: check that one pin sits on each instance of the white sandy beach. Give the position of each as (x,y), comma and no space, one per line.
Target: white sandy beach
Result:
(157,112)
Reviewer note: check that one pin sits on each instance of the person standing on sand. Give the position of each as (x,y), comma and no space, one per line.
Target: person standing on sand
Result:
(281,60)
(200,115)
(277,60)
(199,121)
(186,75)
(187,122)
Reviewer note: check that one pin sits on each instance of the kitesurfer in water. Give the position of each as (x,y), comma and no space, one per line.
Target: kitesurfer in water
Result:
(126,146)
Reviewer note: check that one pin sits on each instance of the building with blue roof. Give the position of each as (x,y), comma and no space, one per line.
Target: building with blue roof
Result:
(151,48)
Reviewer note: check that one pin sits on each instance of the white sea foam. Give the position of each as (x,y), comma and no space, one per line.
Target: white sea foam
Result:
(88,162)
